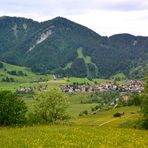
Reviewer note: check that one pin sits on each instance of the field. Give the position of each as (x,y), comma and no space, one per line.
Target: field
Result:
(73,137)
(88,131)
(28,77)
(91,131)
(85,132)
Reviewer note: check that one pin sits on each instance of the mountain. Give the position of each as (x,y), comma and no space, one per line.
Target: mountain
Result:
(66,48)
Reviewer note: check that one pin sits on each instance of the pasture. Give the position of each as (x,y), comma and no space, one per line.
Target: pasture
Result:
(28,75)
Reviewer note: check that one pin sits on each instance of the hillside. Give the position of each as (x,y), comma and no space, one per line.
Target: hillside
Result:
(18,74)
(66,48)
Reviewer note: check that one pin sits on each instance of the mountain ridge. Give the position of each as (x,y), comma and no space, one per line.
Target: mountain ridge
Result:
(49,46)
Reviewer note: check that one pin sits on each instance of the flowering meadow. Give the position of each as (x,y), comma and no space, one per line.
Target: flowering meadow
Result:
(61,136)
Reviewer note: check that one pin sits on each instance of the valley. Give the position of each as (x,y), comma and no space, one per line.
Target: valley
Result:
(64,85)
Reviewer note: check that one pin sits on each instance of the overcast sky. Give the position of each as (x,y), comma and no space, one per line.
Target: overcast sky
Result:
(106,17)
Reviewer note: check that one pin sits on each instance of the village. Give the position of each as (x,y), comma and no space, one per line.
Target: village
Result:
(131,86)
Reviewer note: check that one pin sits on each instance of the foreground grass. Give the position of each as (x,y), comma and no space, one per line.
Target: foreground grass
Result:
(72,137)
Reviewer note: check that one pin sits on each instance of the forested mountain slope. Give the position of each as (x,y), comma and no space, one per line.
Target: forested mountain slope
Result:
(66,48)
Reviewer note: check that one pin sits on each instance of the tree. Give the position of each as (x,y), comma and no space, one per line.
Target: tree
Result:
(134,99)
(144,106)
(50,106)
(1,65)
(12,109)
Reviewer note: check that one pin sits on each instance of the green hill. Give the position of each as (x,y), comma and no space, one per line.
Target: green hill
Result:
(18,74)
(66,48)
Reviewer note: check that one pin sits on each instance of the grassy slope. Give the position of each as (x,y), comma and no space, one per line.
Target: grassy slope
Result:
(30,75)
(86,59)
(105,116)
(21,81)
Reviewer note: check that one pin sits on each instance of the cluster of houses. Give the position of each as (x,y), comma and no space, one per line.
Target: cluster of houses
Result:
(31,89)
(135,86)
(131,86)
(25,90)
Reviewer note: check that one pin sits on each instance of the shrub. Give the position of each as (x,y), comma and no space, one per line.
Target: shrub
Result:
(85,112)
(117,114)
(97,107)
(93,109)
(80,114)
(12,109)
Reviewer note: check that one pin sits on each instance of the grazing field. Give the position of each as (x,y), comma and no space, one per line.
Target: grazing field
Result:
(27,74)
(61,136)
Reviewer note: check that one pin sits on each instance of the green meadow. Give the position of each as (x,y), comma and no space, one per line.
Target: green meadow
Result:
(90,131)
(100,130)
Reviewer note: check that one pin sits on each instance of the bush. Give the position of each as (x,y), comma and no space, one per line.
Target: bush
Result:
(80,114)
(50,106)
(93,109)
(85,112)
(12,109)
(117,114)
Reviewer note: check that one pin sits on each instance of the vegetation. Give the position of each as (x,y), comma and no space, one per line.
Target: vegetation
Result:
(1,65)
(50,106)
(104,97)
(144,106)
(68,53)
(134,99)
(72,136)
(119,77)
(69,49)
(12,109)
(20,74)
(7,79)
(117,114)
